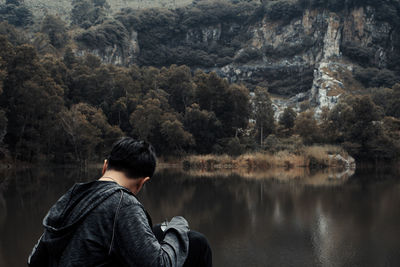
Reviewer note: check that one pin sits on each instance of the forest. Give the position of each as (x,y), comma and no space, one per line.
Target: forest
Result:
(72,108)
(58,106)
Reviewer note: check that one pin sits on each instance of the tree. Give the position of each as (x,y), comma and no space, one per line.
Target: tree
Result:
(210,92)
(177,82)
(393,106)
(16,13)
(88,131)
(306,126)
(33,101)
(175,136)
(91,83)
(288,118)
(146,118)
(155,121)
(263,113)
(365,113)
(237,108)
(69,58)
(204,126)
(230,103)
(330,133)
(56,30)
(86,13)
(3,117)
(358,121)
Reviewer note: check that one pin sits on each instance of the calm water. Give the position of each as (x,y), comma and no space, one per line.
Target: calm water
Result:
(249,222)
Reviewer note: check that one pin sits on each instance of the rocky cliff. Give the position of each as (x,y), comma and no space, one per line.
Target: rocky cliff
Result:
(306,54)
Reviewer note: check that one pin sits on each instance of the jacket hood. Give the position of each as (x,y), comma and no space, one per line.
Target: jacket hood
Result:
(66,214)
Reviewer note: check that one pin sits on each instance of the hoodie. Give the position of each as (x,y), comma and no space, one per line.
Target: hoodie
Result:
(103,224)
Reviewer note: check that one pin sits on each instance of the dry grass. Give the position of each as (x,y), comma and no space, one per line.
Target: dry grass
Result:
(335,91)
(313,157)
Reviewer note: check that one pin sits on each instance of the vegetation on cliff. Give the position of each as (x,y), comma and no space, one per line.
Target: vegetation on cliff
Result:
(214,34)
(73,108)
(64,107)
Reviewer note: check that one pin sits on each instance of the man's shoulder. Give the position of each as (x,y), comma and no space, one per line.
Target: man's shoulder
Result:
(123,197)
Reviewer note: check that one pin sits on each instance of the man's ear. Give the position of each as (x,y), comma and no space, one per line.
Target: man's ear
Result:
(105,165)
(141,182)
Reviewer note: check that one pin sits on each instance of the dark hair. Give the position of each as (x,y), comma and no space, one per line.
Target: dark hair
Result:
(136,159)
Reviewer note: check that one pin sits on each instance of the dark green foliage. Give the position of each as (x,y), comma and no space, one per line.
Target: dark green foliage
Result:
(289,81)
(108,34)
(13,2)
(306,126)
(15,13)
(292,49)
(229,103)
(177,82)
(69,58)
(162,34)
(248,54)
(87,13)
(373,77)
(56,30)
(282,10)
(386,9)
(357,53)
(3,125)
(233,147)
(87,130)
(288,118)
(388,99)
(204,126)
(263,113)
(32,100)
(360,126)
(74,108)
(14,36)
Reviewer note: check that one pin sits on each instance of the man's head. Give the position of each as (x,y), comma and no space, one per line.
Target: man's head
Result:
(136,159)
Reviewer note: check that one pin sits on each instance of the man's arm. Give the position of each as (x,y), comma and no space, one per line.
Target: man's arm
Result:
(39,255)
(136,245)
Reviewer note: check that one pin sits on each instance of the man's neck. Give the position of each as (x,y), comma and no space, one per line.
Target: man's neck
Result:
(121,179)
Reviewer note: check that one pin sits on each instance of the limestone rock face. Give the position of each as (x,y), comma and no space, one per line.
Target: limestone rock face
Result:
(307,60)
(117,55)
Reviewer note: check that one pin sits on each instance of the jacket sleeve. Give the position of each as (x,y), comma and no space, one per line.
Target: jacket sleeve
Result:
(39,255)
(136,245)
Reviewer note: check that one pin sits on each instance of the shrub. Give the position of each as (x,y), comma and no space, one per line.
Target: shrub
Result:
(283,10)
(248,54)
(373,77)
(109,33)
(16,14)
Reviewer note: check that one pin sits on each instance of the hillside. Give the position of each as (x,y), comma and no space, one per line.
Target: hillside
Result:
(297,73)
(307,52)
(63,8)
(318,48)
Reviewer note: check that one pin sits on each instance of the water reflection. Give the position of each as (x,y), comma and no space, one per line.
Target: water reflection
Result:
(304,176)
(249,221)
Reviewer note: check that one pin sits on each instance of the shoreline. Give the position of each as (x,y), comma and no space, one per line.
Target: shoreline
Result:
(312,158)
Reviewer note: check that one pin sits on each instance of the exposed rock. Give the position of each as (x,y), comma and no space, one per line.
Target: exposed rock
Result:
(305,61)
(347,163)
(115,54)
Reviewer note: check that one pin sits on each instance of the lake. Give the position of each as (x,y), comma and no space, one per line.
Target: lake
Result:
(317,219)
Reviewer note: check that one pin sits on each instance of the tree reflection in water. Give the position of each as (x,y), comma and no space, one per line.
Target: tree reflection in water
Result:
(250,221)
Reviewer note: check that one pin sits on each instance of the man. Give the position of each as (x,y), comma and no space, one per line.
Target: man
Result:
(102,223)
